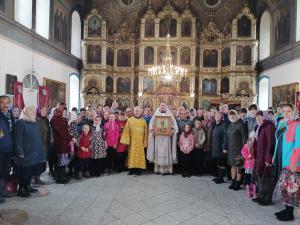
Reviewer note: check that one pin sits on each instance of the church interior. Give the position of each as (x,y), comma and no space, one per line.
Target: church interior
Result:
(195,54)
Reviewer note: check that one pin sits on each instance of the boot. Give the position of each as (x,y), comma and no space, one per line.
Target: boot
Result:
(61,177)
(232,185)
(220,179)
(254,194)
(30,189)
(23,192)
(237,185)
(287,214)
(38,181)
(248,191)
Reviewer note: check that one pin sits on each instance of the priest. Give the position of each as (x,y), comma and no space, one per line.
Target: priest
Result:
(162,148)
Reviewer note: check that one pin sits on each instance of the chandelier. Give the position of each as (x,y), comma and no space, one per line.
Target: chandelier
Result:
(167,73)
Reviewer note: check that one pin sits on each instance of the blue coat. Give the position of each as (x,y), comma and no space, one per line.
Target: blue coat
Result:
(6,135)
(28,142)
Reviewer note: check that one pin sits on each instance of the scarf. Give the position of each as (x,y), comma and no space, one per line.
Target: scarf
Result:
(98,128)
(186,134)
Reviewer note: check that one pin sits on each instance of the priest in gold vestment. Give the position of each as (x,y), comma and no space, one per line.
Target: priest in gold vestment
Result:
(135,135)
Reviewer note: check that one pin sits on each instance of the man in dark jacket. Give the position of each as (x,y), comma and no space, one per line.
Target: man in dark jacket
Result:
(218,144)
(6,143)
(263,148)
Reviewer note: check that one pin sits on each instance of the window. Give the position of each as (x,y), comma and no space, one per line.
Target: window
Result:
(42,17)
(298,21)
(30,90)
(76,35)
(263,93)
(265,36)
(23,12)
(74,91)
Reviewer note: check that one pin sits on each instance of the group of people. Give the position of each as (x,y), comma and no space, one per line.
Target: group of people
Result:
(250,147)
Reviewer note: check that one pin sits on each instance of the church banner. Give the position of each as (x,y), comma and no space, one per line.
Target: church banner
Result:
(44,96)
(18,92)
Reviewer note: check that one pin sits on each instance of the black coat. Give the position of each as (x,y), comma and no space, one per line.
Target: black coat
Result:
(6,133)
(218,140)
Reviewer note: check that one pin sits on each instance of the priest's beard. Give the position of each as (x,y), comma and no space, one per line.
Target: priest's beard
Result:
(162,111)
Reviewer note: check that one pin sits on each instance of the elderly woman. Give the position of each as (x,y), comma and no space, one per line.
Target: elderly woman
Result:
(236,138)
(30,157)
(16,113)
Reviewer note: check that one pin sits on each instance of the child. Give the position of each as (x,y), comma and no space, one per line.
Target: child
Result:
(84,152)
(112,135)
(186,144)
(98,149)
(121,148)
(198,155)
(247,153)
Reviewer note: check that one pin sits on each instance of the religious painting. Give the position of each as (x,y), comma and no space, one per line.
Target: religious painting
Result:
(9,83)
(210,58)
(60,26)
(123,85)
(184,103)
(174,55)
(206,104)
(161,53)
(109,57)
(197,58)
(93,91)
(136,57)
(284,94)
(162,125)
(244,27)
(185,56)
(282,26)
(108,101)
(57,91)
(94,26)
(94,54)
(225,85)
(147,103)
(239,55)
(167,26)
(186,28)
(243,55)
(185,85)
(243,89)
(123,103)
(109,84)
(226,57)
(124,58)
(209,86)
(148,85)
(149,56)
(149,28)
(136,84)
(2,6)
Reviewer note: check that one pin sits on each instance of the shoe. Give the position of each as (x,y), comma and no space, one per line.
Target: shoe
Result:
(280,212)
(253,188)
(286,216)
(219,181)
(183,175)
(215,179)
(248,191)
(237,186)
(24,193)
(264,202)
(232,184)
(30,189)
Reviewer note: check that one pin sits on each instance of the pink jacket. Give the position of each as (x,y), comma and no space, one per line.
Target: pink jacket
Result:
(186,144)
(248,162)
(112,133)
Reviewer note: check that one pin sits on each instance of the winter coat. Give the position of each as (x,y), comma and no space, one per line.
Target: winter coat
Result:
(84,141)
(112,133)
(28,143)
(6,133)
(61,135)
(46,134)
(264,146)
(236,138)
(248,161)
(199,137)
(219,139)
(208,137)
(186,144)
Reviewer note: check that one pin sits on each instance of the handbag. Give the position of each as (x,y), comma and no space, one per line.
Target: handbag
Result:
(288,188)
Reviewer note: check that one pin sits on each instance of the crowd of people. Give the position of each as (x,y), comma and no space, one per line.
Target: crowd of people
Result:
(250,147)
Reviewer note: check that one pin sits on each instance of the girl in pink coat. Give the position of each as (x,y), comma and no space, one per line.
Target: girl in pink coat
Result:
(111,134)
(247,153)
(186,145)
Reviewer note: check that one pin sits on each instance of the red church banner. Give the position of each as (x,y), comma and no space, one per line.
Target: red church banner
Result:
(44,96)
(18,95)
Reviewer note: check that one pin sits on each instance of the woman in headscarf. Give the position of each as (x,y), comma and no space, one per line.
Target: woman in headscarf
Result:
(30,157)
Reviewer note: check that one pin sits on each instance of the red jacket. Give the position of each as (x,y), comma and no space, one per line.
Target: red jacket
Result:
(84,141)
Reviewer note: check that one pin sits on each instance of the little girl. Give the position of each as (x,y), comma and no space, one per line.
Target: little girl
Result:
(248,155)
(98,149)
(186,145)
(84,152)
(112,134)
(121,148)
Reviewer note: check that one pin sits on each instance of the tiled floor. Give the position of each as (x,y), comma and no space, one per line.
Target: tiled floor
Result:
(149,200)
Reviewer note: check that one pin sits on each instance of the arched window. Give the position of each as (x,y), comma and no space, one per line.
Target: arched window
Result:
(74,91)
(76,35)
(42,17)
(23,12)
(298,21)
(263,93)
(30,90)
(265,36)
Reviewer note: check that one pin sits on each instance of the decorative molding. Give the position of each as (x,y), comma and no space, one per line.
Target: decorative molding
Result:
(18,33)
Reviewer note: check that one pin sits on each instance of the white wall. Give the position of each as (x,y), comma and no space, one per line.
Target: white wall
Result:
(283,74)
(17,60)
